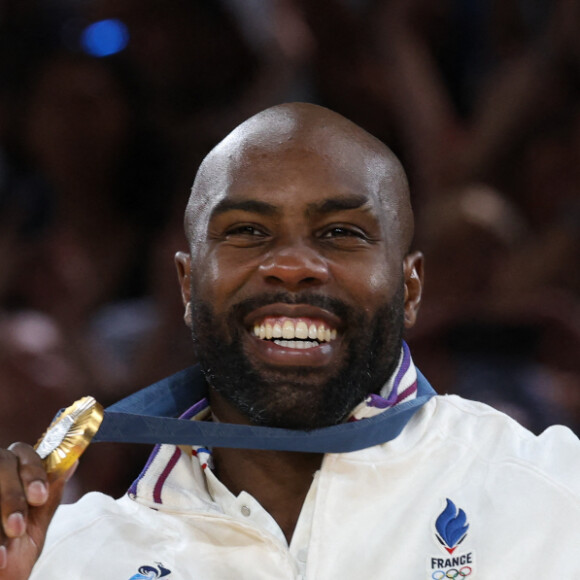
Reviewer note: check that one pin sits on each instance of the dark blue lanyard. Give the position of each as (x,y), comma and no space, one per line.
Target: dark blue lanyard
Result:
(144,418)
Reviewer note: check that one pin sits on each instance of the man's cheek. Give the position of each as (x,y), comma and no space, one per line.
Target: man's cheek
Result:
(376,282)
(205,281)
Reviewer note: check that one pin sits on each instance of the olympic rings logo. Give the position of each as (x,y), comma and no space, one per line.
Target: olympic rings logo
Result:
(452,573)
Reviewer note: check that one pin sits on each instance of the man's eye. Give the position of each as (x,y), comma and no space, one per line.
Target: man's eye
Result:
(248,231)
(342,232)
(246,235)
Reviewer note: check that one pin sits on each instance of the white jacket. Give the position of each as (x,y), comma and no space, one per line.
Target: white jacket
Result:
(463,491)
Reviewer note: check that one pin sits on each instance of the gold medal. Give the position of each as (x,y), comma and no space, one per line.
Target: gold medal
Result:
(69,435)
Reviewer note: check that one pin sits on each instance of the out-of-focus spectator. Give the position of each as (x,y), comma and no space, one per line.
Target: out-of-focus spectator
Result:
(78,134)
(481,338)
(38,375)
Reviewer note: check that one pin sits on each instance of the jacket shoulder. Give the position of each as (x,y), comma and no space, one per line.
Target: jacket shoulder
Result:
(497,438)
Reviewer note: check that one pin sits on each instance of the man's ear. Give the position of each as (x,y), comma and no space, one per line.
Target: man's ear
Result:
(413,275)
(183,264)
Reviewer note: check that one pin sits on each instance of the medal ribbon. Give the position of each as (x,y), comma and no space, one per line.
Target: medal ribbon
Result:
(145,417)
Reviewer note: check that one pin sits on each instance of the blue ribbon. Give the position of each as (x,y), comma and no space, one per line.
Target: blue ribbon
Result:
(145,417)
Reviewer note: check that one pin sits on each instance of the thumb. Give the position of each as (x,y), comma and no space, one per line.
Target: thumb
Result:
(41,516)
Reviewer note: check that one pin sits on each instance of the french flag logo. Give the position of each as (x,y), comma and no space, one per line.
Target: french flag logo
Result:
(451,527)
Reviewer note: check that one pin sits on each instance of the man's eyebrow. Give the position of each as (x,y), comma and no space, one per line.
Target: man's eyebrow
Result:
(338,203)
(250,205)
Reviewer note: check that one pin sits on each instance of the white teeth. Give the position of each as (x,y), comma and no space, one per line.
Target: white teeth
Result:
(312,332)
(288,329)
(297,344)
(300,330)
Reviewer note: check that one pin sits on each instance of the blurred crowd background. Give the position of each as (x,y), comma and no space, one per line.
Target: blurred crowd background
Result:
(108,106)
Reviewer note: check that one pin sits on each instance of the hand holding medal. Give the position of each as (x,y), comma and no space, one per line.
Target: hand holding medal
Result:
(33,481)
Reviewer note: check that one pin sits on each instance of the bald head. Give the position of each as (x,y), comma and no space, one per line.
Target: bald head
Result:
(312,130)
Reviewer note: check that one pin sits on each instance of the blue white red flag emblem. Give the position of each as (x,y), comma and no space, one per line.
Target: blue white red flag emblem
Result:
(451,526)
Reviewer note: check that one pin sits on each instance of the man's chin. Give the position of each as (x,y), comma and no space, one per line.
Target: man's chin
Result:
(295,378)
(296,398)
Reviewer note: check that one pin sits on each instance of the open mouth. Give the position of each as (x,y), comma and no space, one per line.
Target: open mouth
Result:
(296,333)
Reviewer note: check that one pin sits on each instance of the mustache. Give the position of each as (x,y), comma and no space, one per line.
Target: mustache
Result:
(334,305)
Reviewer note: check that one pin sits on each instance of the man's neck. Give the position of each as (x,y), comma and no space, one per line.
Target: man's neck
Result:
(279,480)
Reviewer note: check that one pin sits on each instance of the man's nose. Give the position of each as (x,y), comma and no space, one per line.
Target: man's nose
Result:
(294,266)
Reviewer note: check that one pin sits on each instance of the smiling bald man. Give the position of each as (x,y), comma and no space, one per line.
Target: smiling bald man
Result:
(298,284)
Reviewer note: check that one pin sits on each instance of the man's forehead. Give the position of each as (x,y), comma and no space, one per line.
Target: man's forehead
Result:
(335,162)
(292,181)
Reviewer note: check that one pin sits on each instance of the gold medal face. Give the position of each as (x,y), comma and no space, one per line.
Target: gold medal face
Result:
(69,435)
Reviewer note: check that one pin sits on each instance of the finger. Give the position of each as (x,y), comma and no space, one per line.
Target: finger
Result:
(40,517)
(13,503)
(32,474)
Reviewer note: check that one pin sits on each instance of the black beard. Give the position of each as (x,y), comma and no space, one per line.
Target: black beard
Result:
(299,397)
